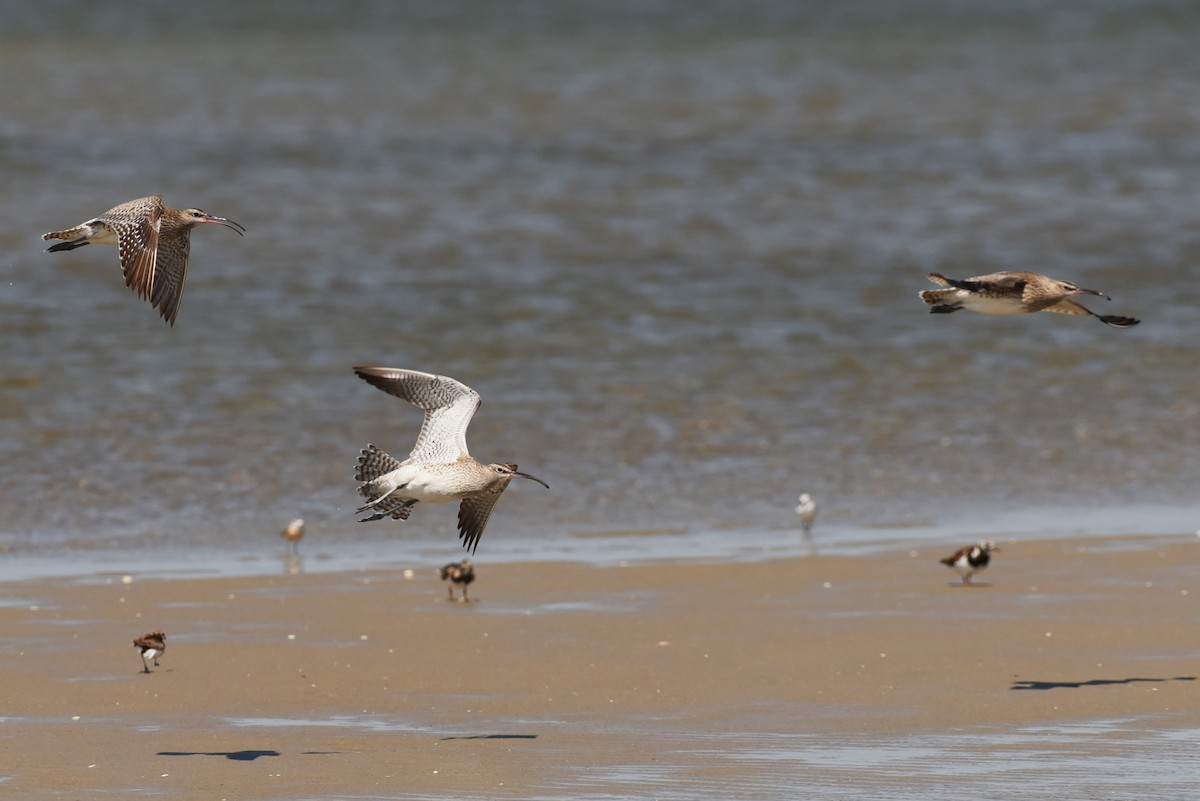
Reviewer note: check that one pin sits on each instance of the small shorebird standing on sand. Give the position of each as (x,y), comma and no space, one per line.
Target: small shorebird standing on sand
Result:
(152,646)
(461,573)
(970,560)
(153,241)
(439,469)
(807,510)
(293,532)
(1013,293)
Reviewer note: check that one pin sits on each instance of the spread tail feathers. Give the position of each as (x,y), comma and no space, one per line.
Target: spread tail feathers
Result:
(374,463)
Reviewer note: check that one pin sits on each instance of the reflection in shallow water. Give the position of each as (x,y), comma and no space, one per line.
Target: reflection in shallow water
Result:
(1087,760)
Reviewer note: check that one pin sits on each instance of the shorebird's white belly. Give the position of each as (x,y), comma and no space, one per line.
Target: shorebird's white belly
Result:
(985,305)
(101,234)
(416,482)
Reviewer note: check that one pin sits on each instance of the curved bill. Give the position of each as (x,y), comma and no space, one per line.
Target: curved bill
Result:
(230,224)
(531,478)
(1082,291)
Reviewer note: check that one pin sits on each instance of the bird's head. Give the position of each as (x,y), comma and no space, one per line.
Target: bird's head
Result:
(1070,288)
(988,546)
(506,472)
(197,216)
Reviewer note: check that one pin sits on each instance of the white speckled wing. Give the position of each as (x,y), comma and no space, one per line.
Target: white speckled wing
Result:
(449,406)
(136,224)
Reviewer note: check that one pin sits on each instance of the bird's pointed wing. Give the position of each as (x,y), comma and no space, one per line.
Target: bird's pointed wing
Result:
(993,282)
(169,274)
(954,557)
(473,514)
(1068,306)
(449,406)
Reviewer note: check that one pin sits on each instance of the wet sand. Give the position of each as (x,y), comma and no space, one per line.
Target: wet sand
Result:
(749,680)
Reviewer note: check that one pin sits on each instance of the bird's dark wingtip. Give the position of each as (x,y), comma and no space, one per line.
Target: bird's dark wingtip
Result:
(1118,322)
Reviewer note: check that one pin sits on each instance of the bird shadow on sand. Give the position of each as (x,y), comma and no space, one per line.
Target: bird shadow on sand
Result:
(492,737)
(1074,685)
(240,756)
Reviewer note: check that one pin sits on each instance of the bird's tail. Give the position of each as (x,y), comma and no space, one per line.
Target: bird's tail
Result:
(374,463)
(77,237)
(949,561)
(941,301)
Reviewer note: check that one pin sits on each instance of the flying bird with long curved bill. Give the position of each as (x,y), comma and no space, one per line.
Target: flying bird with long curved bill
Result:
(439,469)
(153,241)
(1014,293)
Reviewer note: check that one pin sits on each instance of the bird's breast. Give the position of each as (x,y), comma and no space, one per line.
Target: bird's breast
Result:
(427,484)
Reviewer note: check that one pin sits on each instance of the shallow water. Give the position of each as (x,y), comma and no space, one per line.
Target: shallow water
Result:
(1099,760)
(676,248)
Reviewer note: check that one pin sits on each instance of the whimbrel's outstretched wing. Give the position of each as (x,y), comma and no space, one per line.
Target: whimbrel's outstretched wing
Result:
(1068,306)
(473,514)
(449,406)
(1004,283)
(169,273)
(136,225)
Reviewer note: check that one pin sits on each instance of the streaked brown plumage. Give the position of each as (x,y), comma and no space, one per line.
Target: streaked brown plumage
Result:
(153,241)
(1014,293)
(151,647)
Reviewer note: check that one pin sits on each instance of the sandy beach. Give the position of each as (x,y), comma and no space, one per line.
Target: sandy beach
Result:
(750,680)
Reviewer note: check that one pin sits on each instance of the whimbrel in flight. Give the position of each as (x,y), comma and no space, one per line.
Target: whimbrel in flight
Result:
(461,573)
(439,469)
(807,510)
(152,646)
(293,533)
(970,560)
(153,241)
(1013,293)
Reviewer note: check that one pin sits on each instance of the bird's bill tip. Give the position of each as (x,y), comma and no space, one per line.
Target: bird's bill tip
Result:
(1082,291)
(230,224)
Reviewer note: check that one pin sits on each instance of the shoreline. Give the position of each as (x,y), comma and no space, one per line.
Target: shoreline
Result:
(333,547)
(656,680)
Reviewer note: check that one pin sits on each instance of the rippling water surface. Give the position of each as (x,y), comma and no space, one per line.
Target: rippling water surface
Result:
(675,246)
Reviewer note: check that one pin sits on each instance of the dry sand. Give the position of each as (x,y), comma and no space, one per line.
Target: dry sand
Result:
(573,681)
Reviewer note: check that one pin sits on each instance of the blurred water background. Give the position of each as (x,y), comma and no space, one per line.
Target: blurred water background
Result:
(675,245)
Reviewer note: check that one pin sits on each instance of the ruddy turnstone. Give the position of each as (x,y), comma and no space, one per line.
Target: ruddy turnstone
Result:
(152,646)
(970,560)
(462,573)
(1013,293)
